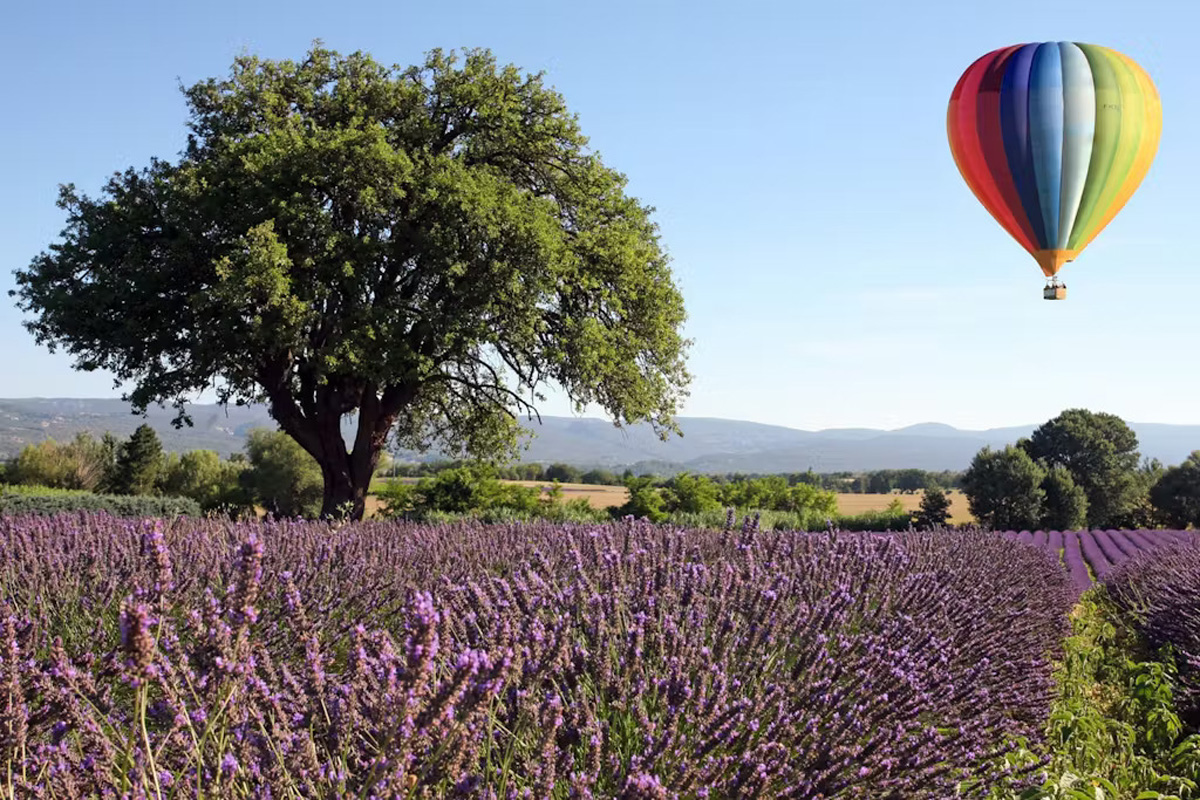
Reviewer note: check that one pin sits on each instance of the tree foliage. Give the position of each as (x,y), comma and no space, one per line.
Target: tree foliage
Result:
(563,473)
(1176,495)
(1004,488)
(282,476)
(82,463)
(423,247)
(934,510)
(139,463)
(204,477)
(691,494)
(1101,453)
(1064,507)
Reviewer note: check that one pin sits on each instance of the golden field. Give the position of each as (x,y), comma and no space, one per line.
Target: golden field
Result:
(605,496)
(859,503)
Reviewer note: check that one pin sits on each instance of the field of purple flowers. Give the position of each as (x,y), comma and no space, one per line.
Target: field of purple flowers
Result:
(626,660)
(1089,556)
(1159,591)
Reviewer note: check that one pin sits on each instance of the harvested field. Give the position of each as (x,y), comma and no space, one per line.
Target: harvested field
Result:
(597,496)
(860,503)
(605,496)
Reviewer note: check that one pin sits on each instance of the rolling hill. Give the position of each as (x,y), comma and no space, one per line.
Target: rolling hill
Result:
(708,444)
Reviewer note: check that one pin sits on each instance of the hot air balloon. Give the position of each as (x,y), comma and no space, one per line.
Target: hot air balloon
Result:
(1053,138)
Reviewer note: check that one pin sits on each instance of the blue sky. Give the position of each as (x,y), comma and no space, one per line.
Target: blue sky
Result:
(836,269)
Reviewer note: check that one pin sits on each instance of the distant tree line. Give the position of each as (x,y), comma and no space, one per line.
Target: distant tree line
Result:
(1081,468)
(273,472)
(881,481)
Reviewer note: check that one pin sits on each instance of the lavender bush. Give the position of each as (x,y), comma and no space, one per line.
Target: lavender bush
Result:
(391,660)
(1159,590)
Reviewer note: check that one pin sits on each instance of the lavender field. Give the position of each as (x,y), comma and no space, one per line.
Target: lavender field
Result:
(625,660)
(1089,556)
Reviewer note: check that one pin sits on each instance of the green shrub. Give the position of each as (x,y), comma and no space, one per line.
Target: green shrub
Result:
(83,463)
(577,511)
(12,503)
(474,492)
(282,476)
(886,520)
(1114,731)
(41,491)
(204,477)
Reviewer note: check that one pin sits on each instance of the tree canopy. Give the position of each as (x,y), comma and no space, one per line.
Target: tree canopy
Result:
(1065,505)
(1101,453)
(934,510)
(139,463)
(1176,494)
(423,247)
(1004,488)
(283,477)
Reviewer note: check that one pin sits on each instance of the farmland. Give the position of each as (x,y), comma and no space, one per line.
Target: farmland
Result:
(597,496)
(600,497)
(619,660)
(701,653)
(1089,556)
(858,503)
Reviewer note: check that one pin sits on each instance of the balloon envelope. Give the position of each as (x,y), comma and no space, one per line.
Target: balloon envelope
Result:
(1053,138)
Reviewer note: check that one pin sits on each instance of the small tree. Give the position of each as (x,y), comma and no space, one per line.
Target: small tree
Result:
(693,494)
(934,511)
(563,473)
(1065,505)
(139,463)
(804,498)
(911,481)
(82,463)
(282,476)
(1176,495)
(645,501)
(43,464)
(600,477)
(1004,488)
(202,476)
(880,482)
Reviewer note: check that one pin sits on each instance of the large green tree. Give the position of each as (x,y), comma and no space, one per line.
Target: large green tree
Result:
(1176,494)
(1004,488)
(1101,453)
(1064,507)
(424,248)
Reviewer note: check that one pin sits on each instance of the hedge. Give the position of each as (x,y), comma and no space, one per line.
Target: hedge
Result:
(12,503)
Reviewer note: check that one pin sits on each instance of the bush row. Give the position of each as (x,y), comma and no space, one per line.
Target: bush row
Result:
(60,501)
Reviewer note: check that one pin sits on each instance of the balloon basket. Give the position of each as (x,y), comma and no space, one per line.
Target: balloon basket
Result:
(1054,293)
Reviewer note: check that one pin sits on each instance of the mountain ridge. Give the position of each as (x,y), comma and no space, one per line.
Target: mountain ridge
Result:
(709,444)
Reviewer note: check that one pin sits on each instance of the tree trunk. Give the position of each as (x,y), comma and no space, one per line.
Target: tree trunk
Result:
(317,428)
(344,498)
(348,473)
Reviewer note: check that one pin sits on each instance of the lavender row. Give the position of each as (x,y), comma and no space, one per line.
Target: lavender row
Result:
(1089,556)
(383,660)
(1159,590)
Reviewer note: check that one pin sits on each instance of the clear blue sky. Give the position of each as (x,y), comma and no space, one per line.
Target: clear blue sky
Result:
(836,269)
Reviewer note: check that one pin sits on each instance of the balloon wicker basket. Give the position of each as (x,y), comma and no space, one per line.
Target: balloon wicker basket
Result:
(1055,293)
